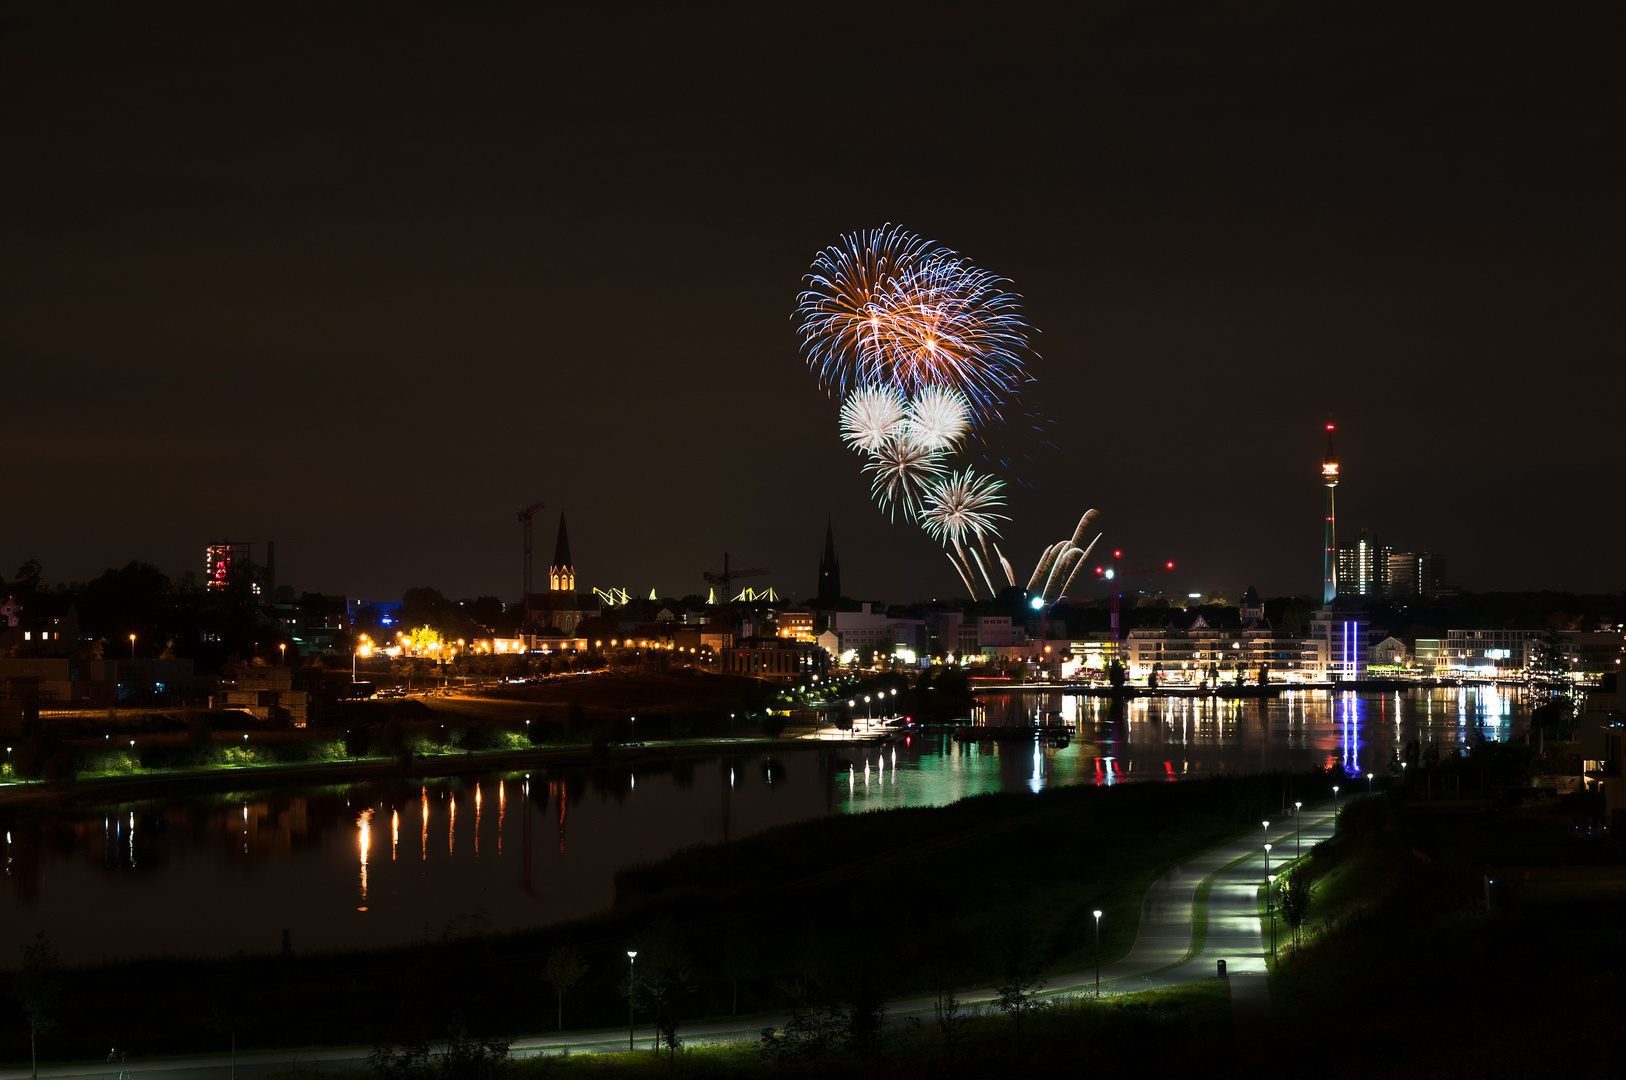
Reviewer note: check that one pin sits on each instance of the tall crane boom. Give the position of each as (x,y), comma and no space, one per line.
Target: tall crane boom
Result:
(727,576)
(1113,573)
(525,517)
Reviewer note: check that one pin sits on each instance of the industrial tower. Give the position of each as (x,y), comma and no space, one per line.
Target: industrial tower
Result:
(1329,556)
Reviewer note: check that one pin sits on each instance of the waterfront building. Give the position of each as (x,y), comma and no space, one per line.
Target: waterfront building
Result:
(796,625)
(1391,652)
(1489,652)
(771,658)
(1345,639)
(1203,652)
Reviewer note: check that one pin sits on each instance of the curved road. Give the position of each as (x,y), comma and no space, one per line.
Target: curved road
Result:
(1166,952)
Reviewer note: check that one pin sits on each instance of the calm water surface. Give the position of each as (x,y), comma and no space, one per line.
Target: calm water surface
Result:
(371,865)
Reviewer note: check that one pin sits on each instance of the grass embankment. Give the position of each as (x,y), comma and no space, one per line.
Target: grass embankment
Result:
(1401,945)
(895,903)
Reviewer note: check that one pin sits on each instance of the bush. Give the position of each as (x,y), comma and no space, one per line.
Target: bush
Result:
(357,741)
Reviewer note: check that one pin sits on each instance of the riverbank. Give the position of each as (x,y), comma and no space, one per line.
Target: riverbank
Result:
(151,783)
(894,903)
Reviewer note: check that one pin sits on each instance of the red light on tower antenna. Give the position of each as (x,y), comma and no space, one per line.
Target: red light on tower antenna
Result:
(1117,554)
(1168,566)
(1329,427)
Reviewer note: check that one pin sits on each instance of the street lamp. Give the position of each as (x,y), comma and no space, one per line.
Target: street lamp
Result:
(1098,953)
(1369,783)
(1297,828)
(632,957)
(1270,906)
(283,648)
(132,646)
(1267,858)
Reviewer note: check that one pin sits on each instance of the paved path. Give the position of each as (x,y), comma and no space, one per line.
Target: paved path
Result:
(1161,956)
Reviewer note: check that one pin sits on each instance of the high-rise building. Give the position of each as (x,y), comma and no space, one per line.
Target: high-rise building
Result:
(1420,573)
(219,558)
(1329,553)
(829,569)
(1363,567)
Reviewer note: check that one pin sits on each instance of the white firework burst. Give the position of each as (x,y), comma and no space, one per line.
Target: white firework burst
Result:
(871,417)
(938,418)
(900,470)
(962,506)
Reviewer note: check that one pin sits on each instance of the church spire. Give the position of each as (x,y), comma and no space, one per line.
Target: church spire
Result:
(829,567)
(562,573)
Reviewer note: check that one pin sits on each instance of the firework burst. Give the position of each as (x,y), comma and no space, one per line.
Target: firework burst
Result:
(871,417)
(844,309)
(938,419)
(900,469)
(961,507)
(886,307)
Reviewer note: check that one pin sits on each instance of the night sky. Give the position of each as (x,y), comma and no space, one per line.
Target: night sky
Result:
(368,283)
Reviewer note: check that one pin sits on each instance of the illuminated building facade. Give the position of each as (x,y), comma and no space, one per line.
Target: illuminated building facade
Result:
(1345,638)
(1363,567)
(1190,655)
(220,558)
(796,625)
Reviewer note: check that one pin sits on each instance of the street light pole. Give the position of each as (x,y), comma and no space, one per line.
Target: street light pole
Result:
(1098,954)
(632,957)
(1267,858)
(1369,783)
(132,646)
(1270,906)
(1297,828)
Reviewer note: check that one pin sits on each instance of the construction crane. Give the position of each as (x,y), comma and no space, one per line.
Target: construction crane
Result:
(1112,573)
(525,517)
(724,579)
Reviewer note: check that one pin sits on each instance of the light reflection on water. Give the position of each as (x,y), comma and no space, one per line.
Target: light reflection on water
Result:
(213,875)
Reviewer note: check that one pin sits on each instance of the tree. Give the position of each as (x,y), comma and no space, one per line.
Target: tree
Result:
(564,971)
(37,987)
(662,981)
(1020,994)
(1294,900)
(739,962)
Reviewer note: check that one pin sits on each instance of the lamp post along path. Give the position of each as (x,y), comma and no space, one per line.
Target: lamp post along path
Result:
(632,958)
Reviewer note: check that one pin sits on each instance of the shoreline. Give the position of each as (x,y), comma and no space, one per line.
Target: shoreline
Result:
(99,790)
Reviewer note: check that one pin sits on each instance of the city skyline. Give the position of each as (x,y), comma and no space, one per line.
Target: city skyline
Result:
(447,297)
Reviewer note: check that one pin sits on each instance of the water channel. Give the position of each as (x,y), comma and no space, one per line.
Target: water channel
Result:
(378,864)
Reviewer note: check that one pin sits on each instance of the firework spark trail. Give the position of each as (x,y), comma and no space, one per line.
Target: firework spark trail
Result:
(1083,524)
(958,569)
(1083,555)
(1042,568)
(900,468)
(871,417)
(1062,571)
(1010,575)
(938,418)
(961,505)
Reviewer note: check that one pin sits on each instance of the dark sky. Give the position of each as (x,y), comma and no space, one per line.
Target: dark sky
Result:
(367,283)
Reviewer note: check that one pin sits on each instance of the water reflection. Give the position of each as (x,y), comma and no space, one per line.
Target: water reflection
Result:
(107,882)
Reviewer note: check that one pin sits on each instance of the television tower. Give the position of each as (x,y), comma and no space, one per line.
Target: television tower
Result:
(1329,557)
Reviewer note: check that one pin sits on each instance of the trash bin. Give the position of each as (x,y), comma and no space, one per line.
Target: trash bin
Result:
(1221,968)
